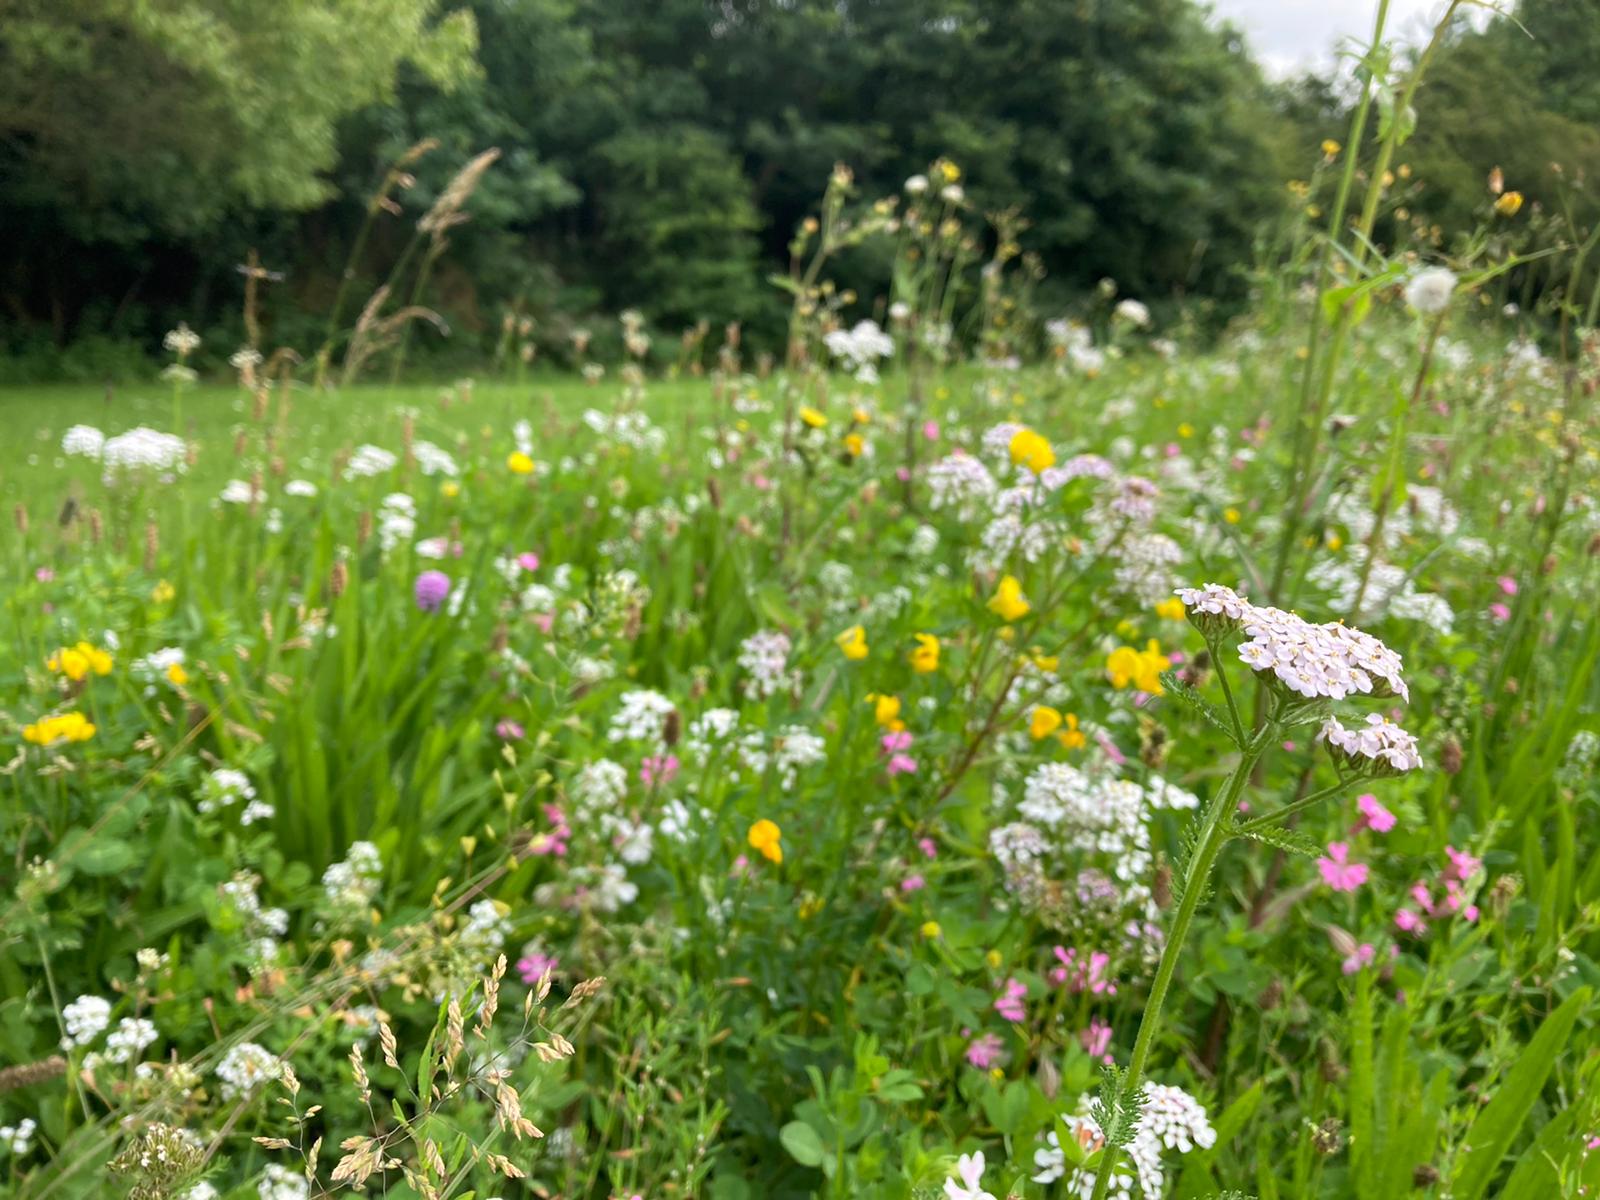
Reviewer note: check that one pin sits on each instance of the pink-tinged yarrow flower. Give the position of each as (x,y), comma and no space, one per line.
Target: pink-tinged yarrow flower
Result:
(509,730)
(1338,872)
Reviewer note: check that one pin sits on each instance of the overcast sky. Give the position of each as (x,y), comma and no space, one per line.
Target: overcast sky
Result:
(1290,35)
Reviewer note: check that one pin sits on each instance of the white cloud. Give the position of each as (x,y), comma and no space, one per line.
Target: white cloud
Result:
(1289,36)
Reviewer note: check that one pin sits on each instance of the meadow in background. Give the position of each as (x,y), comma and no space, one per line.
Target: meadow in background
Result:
(974,745)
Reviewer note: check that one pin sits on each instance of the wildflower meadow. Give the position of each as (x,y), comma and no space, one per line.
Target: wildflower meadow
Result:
(950,739)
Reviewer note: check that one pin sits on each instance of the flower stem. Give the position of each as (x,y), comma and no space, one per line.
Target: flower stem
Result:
(1214,832)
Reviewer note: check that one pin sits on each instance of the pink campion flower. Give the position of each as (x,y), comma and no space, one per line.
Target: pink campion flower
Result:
(1338,872)
(896,740)
(1423,897)
(760,482)
(554,842)
(930,430)
(1374,816)
(1463,866)
(913,883)
(1361,956)
(545,622)
(902,474)
(533,966)
(1009,1002)
(1083,974)
(1289,747)
(1172,449)
(658,768)
(901,764)
(1096,1039)
(43,574)
(1507,585)
(509,730)
(928,846)
(528,560)
(1499,611)
(1408,921)
(985,1051)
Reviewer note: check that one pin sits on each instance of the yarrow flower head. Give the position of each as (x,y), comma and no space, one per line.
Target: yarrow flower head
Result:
(1376,749)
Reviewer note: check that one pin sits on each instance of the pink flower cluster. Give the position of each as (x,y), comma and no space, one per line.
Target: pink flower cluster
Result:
(895,744)
(555,841)
(1009,1003)
(1453,900)
(1085,973)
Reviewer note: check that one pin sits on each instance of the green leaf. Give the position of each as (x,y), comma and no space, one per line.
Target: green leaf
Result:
(1490,1136)
(802,1143)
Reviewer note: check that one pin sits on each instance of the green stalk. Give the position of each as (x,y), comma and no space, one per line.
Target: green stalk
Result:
(1214,834)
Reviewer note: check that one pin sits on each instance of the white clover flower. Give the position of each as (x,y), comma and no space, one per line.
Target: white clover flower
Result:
(1428,291)
(85,1019)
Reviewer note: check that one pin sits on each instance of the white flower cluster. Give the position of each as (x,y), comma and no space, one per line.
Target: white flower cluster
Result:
(1091,814)
(182,341)
(1332,660)
(1146,566)
(224,788)
(85,1019)
(603,889)
(239,491)
(860,348)
(599,786)
(961,482)
(1133,312)
(1389,589)
(630,428)
(397,520)
(485,928)
(434,460)
(18,1138)
(85,441)
(1379,742)
(641,718)
(764,656)
(279,1182)
(131,1036)
(1172,1120)
(369,460)
(634,841)
(139,448)
(246,1067)
(354,882)
(263,925)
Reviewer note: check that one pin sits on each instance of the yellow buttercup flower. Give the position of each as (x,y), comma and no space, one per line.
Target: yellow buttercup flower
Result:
(519,463)
(162,592)
(948,169)
(1509,205)
(1044,722)
(812,417)
(1008,602)
(1141,668)
(1330,149)
(860,416)
(450,489)
(76,662)
(67,727)
(1046,662)
(1186,430)
(854,444)
(886,711)
(1171,609)
(1072,737)
(176,674)
(1231,515)
(1029,449)
(853,642)
(931,930)
(925,658)
(764,836)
